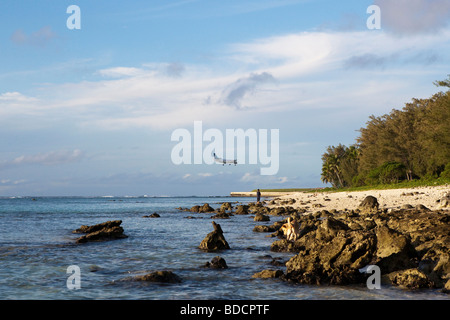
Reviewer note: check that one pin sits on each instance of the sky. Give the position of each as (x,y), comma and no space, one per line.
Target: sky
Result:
(91,111)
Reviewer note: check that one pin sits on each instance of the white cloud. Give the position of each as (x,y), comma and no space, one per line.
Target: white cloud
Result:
(120,72)
(207,174)
(49,158)
(170,95)
(39,38)
(15,97)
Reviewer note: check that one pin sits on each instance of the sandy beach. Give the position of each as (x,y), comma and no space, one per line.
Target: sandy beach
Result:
(387,199)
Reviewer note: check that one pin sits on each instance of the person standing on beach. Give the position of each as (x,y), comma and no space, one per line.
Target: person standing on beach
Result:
(258,196)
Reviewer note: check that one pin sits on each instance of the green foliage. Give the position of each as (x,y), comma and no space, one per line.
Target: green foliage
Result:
(412,143)
(389,172)
(339,165)
(446,173)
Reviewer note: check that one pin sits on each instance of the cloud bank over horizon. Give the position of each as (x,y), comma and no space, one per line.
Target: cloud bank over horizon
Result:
(105,116)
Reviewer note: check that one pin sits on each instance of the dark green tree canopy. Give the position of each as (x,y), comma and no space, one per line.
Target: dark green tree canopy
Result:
(405,144)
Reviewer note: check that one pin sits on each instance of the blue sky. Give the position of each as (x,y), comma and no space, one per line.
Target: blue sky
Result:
(91,111)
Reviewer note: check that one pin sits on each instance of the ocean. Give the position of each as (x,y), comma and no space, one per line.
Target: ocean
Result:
(37,247)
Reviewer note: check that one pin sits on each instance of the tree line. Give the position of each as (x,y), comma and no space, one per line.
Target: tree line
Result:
(407,144)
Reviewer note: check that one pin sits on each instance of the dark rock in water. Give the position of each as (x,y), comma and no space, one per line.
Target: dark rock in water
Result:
(369,205)
(242,209)
(217,263)
(159,276)
(261,217)
(222,215)
(226,206)
(97,227)
(109,230)
(214,240)
(153,215)
(206,208)
(202,209)
(277,262)
(264,229)
(268,274)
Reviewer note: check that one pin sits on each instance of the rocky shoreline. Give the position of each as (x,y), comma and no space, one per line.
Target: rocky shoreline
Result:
(410,245)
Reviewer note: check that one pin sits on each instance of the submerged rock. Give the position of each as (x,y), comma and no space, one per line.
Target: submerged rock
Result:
(202,209)
(214,240)
(261,217)
(153,215)
(159,276)
(267,274)
(222,215)
(226,206)
(242,209)
(217,263)
(105,231)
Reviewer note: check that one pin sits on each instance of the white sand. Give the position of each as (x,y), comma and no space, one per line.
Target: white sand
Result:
(394,198)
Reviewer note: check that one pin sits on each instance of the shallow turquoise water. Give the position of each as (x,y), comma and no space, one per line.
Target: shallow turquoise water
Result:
(37,246)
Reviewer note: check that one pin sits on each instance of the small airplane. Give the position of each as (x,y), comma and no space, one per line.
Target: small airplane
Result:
(224,161)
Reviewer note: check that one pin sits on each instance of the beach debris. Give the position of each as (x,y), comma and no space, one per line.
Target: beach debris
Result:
(216,263)
(214,240)
(109,230)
